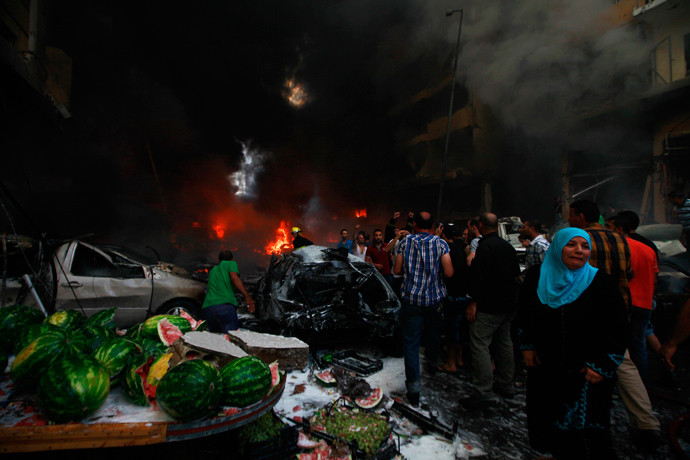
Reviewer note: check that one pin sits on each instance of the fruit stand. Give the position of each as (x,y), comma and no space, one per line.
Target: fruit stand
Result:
(116,424)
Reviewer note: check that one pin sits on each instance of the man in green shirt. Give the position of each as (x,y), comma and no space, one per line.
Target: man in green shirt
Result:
(220,304)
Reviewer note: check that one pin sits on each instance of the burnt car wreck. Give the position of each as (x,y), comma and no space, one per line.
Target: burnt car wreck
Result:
(321,293)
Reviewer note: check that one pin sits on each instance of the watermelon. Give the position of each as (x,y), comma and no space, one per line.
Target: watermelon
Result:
(245,381)
(168,332)
(150,327)
(134,332)
(67,319)
(372,401)
(190,390)
(115,353)
(192,322)
(3,360)
(88,338)
(72,388)
(30,333)
(133,378)
(275,374)
(152,347)
(103,318)
(31,361)
(12,319)
(201,326)
(156,373)
(326,378)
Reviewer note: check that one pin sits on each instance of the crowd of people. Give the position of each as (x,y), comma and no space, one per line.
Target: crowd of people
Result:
(579,312)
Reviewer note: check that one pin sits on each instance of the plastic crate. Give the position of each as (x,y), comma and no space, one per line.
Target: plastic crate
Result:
(350,360)
(281,447)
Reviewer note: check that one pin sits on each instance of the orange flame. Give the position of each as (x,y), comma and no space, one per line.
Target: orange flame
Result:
(196,225)
(220,231)
(282,239)
(361,213)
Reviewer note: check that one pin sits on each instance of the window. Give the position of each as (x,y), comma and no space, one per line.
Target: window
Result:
(88,262)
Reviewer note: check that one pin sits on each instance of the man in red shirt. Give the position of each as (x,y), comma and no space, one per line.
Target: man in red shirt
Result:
(644,264)
(377,255)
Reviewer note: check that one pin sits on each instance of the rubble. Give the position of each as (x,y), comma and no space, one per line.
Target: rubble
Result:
(290,352)
(204,345)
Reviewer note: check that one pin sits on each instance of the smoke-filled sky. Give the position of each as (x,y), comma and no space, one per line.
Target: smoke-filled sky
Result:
(205,93)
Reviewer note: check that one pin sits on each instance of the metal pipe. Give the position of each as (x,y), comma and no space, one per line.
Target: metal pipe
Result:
(450,115)
(591,187)
(32,289)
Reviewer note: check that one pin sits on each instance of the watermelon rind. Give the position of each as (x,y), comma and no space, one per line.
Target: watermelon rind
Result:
(103,318)
(152,347)
(134,332)
(157,371)
(12,319)
(132,382)
(245,381)
(88,338)
(31,332)
(66,319)
(32,360)
(150,327)
(72,388)
(189,391)
(115,353)
(372,401)
(326,378)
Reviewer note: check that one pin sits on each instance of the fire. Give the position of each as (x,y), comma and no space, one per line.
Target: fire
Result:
(361,213)
(196,225)
(282,239)
(294,92)
(220,231)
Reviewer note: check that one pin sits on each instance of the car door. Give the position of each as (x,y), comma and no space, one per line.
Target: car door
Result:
(125,287)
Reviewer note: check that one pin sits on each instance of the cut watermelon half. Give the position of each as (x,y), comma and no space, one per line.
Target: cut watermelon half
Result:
(326,378)
(168,332)
(192,322)
(372,401)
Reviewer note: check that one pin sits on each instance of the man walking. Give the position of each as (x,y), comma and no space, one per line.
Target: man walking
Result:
(423,258)
(377,255)
(535,252)
(493,294)
(611,253)
(344,242)
(219,309)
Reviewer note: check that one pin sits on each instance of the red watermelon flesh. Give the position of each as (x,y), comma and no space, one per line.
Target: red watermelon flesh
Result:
(194,323)
(304,442)
(143,372)
(168,332)
(373,399)
(275,374)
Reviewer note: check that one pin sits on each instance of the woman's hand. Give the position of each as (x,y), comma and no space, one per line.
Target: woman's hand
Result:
(531,358)
(591,376)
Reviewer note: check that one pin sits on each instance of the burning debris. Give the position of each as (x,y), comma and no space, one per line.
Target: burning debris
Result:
(318,290)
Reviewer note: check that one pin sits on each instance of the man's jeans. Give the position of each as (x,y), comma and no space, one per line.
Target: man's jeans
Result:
(492,329)
(221,318)
(639,318)
(413,320)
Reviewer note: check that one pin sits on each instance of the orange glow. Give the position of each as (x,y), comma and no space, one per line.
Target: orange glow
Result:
(196,225)
(333,238)
(282,239)
(361,213)
(220,231)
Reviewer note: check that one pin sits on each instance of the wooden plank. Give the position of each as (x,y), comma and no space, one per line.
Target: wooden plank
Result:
(79,436)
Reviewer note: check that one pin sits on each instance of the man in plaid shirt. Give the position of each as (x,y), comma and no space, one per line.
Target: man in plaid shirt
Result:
(423,258)
(535,252)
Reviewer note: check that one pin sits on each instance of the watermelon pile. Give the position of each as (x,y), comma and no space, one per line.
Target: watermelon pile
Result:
(72,362)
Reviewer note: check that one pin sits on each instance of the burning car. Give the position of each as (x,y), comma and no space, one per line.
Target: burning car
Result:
(90,278)
(318,292)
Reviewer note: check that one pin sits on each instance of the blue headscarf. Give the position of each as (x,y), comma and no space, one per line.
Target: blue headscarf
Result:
(559,285)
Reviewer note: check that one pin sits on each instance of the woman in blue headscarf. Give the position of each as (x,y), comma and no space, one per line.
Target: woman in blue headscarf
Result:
(572,329)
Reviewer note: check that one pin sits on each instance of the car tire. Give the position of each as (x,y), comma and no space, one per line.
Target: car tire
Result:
(174,306)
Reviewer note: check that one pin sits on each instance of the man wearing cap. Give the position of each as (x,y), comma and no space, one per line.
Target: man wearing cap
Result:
(299,241)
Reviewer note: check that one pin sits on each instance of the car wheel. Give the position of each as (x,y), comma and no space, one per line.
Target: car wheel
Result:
(174,307)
